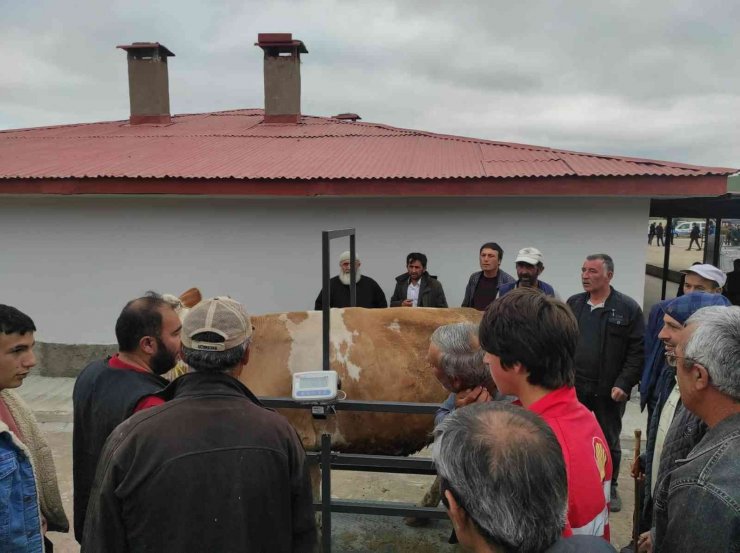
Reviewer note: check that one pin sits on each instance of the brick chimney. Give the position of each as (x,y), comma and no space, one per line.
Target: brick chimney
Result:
(148,83)
(282,76)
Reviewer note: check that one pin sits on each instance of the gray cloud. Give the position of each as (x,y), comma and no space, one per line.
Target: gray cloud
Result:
(658,79)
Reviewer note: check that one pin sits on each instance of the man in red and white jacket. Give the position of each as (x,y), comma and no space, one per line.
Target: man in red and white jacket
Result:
(530,340)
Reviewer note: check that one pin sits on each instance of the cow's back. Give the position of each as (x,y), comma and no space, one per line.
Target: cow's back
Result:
(380,354)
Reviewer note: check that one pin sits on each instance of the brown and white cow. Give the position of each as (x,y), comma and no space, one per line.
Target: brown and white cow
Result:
(380,354)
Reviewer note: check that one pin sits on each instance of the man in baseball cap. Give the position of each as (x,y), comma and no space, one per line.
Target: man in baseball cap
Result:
(230,472)
(704,278)
(529,267)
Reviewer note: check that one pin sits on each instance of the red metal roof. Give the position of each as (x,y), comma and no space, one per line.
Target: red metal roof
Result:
(238,145)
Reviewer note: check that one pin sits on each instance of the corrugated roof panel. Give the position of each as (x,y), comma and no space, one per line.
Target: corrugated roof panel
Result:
(237,144)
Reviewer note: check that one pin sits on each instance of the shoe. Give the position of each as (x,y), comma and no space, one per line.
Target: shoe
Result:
(615,505)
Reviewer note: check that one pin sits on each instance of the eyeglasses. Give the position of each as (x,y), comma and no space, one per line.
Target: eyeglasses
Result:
(672,359)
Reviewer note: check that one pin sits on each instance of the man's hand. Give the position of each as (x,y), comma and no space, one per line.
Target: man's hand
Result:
(474,395)
(645,543)
(619,395)
(407,303)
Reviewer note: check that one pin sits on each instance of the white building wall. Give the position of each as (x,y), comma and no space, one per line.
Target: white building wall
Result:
(72,262)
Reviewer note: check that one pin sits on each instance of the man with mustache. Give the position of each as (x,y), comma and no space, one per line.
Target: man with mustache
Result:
(108,391)
(610,352)
(369,292)
(529,267)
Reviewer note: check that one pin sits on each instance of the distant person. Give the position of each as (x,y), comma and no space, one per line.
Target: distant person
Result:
(610,353)
(212,469)
(530,341)
(416,287)
(529,267)
(504,482)
(483,285)
(110,390)
(30,502)
(694,236)
(732,285)
(369,293)
(670,232)
(659,235)
(697,503)
(651,234)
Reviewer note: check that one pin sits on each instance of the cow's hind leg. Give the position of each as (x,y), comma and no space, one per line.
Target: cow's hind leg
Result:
(431,499)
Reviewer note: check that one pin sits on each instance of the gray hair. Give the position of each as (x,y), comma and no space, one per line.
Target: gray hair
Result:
(715,343)
(214,361)
(461,355)
(505,468)
(607,259)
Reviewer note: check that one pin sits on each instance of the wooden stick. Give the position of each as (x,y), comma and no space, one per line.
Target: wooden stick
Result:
(639,480)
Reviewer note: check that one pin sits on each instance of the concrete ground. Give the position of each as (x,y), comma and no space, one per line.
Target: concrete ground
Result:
(51,400)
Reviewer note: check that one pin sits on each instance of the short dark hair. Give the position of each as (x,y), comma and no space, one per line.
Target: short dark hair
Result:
(213,361)
(607,259)
(493,246)
(540,332)
(13,321)
(416,256)
(140,317)
(505,468)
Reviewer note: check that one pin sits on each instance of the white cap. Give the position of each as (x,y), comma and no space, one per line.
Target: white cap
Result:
(533,256)
(710,272)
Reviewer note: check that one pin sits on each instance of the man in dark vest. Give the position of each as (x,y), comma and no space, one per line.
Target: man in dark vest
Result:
(108,391)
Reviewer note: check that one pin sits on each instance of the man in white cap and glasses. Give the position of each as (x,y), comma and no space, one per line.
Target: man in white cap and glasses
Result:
(529,267)
(704,278)
(211,469)
(369,292)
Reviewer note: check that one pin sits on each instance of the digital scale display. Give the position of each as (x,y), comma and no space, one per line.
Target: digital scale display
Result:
(315,386)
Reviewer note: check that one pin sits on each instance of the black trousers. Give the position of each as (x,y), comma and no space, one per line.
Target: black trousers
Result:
(609,415)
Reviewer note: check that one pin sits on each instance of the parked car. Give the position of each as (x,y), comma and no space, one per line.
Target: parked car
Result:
(684,228)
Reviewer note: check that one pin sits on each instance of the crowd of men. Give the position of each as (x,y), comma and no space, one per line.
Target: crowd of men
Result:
(526,446)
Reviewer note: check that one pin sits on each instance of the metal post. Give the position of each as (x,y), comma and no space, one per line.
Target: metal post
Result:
(717,242)
(326,237)
(706,241)
(352,272)
(667,256)
(326,493)
(325,298)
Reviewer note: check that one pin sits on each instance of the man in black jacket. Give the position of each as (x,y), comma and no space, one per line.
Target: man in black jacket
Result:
(108,391)
(369,292)
(610,352)
(416,287)
(483,285)
(210,470)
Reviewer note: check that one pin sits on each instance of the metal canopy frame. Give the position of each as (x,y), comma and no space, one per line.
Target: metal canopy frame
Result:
(726,206)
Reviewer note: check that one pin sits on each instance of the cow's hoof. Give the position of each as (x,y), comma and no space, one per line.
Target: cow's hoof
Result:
(416,522)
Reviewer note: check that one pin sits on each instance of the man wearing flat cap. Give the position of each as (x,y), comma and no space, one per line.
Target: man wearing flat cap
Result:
(211,469)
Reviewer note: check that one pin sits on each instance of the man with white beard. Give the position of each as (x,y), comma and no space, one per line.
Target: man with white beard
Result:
(369,293)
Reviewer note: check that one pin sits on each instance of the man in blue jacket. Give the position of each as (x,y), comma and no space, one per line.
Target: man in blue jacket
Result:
(529,267)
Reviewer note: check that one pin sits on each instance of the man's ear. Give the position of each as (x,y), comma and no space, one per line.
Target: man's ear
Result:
(148,344)
(245,357)
(458,516)
(700,376)
(237,372)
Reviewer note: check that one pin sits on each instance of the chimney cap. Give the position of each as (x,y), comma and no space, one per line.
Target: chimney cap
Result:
(161,48)
(346,117)
(282,42)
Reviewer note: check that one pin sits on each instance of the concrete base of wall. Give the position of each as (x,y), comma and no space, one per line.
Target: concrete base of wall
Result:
(68,359)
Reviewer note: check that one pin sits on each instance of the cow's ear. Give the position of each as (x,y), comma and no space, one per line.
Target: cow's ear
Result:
(191,298)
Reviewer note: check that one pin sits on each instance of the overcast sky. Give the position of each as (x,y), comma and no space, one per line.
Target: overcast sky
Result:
(657,79)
